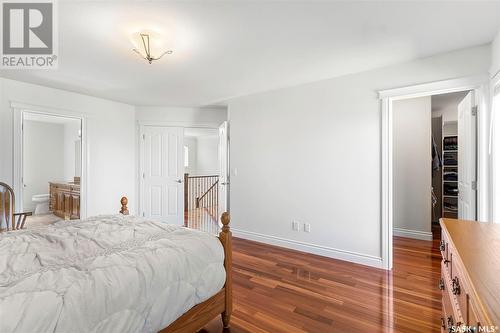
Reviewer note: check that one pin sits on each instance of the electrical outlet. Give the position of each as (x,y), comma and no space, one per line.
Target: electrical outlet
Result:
(295,225)
(307,227)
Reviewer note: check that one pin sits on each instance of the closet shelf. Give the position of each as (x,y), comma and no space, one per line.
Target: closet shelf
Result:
(449,173)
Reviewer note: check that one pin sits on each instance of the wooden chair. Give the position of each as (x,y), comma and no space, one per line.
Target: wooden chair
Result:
(10,220)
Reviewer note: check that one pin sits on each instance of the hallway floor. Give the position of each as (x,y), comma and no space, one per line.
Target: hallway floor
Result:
(202,219)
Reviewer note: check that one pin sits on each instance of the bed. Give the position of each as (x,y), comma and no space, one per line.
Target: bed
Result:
(114,273)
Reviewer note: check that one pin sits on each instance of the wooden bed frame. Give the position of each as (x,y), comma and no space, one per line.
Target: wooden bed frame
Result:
(219,304)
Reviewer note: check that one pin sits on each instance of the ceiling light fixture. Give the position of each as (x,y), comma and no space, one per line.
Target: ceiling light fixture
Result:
(147,42)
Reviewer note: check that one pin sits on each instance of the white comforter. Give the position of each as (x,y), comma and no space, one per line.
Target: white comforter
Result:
(105,274)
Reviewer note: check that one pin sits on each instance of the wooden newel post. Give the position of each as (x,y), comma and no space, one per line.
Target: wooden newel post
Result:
(124,202)
(225,238)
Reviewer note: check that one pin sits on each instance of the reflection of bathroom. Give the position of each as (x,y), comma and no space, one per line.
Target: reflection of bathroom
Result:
(51,168)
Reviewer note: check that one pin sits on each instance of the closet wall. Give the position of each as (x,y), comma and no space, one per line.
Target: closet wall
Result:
(412,168)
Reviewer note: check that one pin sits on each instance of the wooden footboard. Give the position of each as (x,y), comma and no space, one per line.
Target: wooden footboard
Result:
(221,303)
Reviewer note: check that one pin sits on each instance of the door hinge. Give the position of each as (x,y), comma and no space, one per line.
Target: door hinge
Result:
(143,175)
(144,136)
(474,110)
(143,214)
(474,185)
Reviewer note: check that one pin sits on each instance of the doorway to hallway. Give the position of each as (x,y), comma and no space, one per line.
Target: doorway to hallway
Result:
(184,175)
(201,178)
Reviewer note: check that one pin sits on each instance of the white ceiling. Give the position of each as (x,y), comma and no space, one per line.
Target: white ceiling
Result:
(224,49)
(445,101)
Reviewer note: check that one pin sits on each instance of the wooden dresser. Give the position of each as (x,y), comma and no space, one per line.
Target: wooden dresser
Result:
(470,276)
(65,200)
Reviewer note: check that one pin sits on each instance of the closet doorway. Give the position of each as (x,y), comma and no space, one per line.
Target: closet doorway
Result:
(434,162)
(454,117)
(431,166)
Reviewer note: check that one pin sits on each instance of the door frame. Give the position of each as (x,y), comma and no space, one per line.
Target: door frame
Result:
(19,109)
(184,125)
(480,84)
(494,147)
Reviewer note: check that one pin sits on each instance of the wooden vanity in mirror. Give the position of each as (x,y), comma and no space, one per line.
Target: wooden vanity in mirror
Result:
(65,200)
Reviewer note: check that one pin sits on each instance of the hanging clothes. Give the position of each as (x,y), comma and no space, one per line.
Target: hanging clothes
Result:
(434,202)
(437,162)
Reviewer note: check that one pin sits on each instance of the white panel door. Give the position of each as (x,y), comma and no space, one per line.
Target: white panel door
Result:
(467,158)
(223,167)
(162,172)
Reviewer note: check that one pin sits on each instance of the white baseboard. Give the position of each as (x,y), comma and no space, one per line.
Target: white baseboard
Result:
(325,251)
(422,235)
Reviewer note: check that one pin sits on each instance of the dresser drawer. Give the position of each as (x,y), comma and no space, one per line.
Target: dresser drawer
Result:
(444,248)
(449,318)
(459,288)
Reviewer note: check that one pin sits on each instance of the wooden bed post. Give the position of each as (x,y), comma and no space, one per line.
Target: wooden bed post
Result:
(225,239)
(124,209)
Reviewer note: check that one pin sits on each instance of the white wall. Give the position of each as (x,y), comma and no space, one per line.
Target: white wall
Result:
(43,158)
(191,143)
(110,130)
(207,155)
(203,154)
(184,116)
(412,170)
(449,113)
(495,55)
(313,153)
(71,129)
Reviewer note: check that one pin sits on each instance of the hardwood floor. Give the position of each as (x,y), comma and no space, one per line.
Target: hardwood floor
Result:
(280,290)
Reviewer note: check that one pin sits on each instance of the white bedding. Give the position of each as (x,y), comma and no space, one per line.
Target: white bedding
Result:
(105,274)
